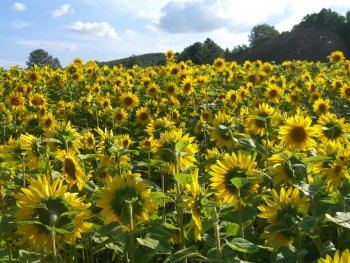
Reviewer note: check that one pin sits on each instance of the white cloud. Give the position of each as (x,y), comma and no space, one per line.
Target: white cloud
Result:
(64,9)
(19,6)
(47,44)
(95,29)
(6,64)
(20,24)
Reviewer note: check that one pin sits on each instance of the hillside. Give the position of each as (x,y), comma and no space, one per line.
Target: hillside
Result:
(144,60)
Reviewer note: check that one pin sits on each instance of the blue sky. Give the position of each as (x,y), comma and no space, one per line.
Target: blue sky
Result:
(105,30)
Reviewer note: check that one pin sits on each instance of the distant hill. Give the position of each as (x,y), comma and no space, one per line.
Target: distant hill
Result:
(145,60)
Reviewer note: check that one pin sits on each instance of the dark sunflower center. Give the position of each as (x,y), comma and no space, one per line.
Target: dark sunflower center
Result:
(273,93)
(187,86)
(121,208)
(144,116)
(70,168)
(205,116)
(233,97)
(15,101)
(294,98)
(48,122)
(332,130)
(171,89)
(298,134)
(90,141)
(128,101)
(52,214)
(119,116)
(322,107)
(336,58)
(347,92)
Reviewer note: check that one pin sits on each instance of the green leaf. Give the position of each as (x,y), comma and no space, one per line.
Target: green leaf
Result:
(239,182)
(232,229)
(166,155)
(36,206)
(308,223)
(6,224)
(340,218)
(247,143)
(148,242)
(183,179)
(182,254)
(287,255)
(179,146)
(57,230)
(242,245)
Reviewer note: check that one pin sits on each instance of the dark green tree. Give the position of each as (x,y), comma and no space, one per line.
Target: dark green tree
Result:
(212,51)
(194,52)
(41,58)
(260,34)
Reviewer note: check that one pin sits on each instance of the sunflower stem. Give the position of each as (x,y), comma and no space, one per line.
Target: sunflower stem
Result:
(2,203)
(23,171)
(53,241)
(131,233)
(163,190)
(298,240)
(217,234)
(179,209)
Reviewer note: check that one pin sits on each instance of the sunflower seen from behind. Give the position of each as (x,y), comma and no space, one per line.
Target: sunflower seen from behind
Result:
(260,120)
(286,209)
(50,205)
(112,200)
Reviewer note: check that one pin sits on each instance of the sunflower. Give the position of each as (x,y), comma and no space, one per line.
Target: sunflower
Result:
(273,93)
(128,100)
(170,55)
(206,115)
(187,86)
(285,210)
(171,89)
(153,89)
(112,199)
(103,176)
(68,136)
(50,205)
(33,149)
(234,166)
(158,126)
(88,140)
(37,100)
(71,169)
(47,121)
(331,129)
(344,258)
(219,64)
(185,158)
(336,57)
(194,203)
(260,120)
(15,101)
(336,171)
(321,106)
(232,98)
(345,91)
(119,116)
(297,133)
(221,130)
(143,116)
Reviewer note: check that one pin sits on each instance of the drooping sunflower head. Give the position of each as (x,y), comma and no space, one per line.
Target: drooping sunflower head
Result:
(286,209)
(297,133)
(221,130)
(114,198)
(234,178)
(51,206)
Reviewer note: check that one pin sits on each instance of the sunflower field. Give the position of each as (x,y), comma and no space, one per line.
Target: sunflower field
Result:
(177,163)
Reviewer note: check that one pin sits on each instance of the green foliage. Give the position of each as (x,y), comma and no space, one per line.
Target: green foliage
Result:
(261,34)
(41,58)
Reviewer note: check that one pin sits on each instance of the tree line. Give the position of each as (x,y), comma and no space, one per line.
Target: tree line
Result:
(208,51)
